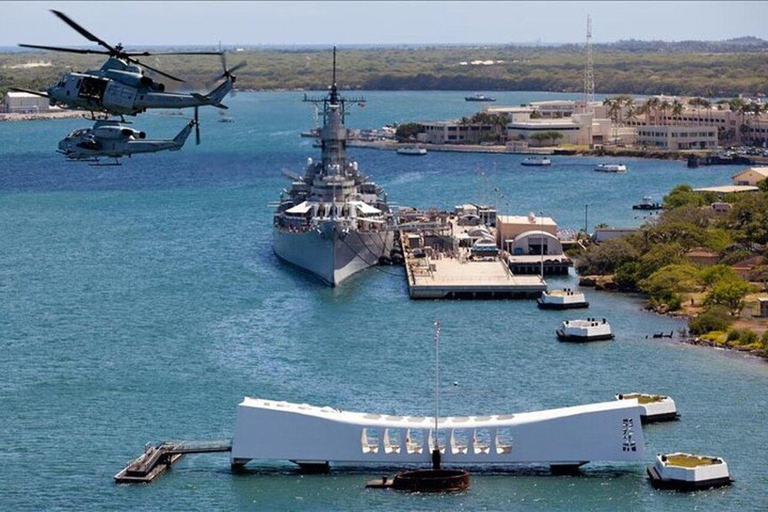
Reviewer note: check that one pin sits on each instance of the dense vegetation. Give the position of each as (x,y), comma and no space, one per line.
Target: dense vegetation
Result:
(723,68)
(656,260)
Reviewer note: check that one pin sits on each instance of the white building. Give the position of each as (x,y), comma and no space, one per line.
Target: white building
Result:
(24,103)
(677,137)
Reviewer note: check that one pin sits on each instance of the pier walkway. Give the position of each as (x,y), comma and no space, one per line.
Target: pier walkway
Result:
(157,458)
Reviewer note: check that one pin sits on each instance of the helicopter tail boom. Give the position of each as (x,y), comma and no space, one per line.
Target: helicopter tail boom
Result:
(181,138)
(215,97)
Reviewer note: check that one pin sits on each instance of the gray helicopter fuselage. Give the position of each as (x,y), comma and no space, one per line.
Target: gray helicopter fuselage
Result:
(114,140)
(121,89)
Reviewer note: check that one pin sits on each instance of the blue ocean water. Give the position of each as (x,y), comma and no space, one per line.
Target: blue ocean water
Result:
(142,302)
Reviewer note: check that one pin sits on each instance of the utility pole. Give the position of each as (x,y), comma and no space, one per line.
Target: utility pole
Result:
(542,245)
(589,75)
(586,219)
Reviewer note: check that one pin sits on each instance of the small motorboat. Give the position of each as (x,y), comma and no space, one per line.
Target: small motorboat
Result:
(562,299)
(412,150)
(479,97)
(590,329)
(648,204)
(536,161)
(616,168)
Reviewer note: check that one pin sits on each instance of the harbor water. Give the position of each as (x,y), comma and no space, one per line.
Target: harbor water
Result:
(142,302)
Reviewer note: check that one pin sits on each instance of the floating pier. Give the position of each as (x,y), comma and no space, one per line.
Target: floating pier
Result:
(157,458)
(688,472)
(656,408)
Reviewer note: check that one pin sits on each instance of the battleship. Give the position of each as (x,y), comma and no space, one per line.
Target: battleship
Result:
(333,221)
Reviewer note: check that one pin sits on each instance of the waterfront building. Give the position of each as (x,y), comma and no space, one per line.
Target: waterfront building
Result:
(730,125)
(677,137)
(744,268)
(452,132)
(562,117)
(510,226)
(701,256)
(721,208)
(763,306)
(751,176)
(728,189)
(24,103)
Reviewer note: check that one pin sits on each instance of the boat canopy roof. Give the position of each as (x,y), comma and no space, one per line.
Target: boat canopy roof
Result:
(365,208)
(300,208)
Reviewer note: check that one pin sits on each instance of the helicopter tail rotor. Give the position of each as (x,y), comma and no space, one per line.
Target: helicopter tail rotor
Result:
(197,127)
(229,73)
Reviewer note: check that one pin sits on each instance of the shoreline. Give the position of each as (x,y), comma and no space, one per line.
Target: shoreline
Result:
(551,151)
(41,116)
(599,284)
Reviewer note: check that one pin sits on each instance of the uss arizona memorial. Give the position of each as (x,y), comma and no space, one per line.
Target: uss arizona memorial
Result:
(315,437)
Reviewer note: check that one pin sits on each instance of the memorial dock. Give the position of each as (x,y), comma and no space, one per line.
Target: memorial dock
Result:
(157,458)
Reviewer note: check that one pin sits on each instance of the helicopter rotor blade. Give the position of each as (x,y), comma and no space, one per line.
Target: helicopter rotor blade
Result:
(61,49)
(241,65)
(147,54)
(163,73)
(83,32)
(29,91)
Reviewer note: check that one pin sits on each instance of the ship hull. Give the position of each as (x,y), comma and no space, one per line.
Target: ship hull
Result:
(331,256)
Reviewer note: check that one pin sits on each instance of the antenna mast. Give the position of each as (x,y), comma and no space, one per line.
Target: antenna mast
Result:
(589,75)
(436,448)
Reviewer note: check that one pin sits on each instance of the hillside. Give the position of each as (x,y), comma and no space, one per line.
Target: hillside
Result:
(723,68)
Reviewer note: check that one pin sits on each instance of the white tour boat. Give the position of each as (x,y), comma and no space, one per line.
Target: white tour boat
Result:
(536,161)
(562,299)
(618,168)
(655,407)
(590,329)
(412,150)
(315,437)
(688,472)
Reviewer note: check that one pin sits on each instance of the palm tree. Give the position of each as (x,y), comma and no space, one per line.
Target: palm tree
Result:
(499,122)
(664,106)
(613,110)
(696,102)
(631,109)
(708,107)
(677,108)
(651,106)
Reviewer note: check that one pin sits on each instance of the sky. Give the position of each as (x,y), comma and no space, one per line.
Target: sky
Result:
(350,22)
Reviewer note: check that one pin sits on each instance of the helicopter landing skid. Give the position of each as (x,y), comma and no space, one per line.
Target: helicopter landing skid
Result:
(97,163)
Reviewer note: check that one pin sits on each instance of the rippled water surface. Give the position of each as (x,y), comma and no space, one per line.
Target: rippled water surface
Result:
(142,302)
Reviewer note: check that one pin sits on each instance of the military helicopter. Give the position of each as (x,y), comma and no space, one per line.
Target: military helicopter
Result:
(120,86)
(114,139)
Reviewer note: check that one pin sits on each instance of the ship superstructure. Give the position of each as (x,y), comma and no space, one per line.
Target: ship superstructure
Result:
(333,221)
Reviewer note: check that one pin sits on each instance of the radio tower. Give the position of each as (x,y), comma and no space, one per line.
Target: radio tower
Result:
(589,75)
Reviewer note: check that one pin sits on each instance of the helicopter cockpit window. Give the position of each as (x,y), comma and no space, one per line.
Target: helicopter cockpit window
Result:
(90,144)
(93,88)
